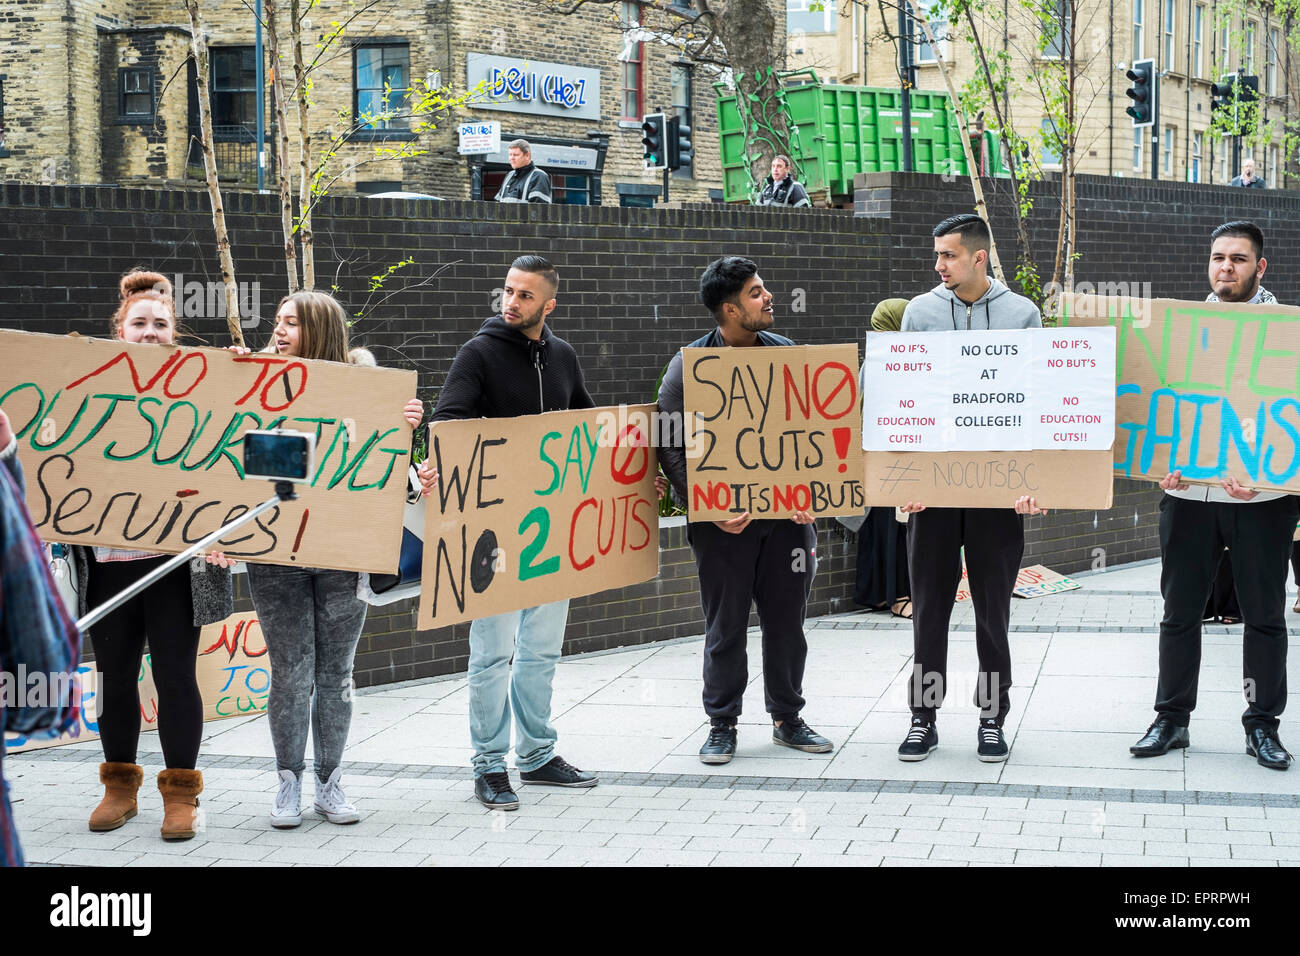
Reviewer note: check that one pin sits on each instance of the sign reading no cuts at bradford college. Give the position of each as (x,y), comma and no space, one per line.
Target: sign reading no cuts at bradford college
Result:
(978,419)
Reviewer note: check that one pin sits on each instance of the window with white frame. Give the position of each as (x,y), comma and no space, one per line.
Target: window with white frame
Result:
(810,16)
(1272,167)
(1137,29)
(1223,161)
(1170,22)
(925,52)
(1225,46)
(1056,29)
(1250,48)
(1167,153)
(1194,170)
(1198,40)
(1270,63)
(1137,149)
(1050,154)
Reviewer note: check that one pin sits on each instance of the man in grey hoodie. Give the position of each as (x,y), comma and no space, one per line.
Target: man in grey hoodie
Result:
(966,299)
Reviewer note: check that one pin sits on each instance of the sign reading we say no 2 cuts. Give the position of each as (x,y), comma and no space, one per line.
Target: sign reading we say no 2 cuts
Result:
(981,418)
(772,431)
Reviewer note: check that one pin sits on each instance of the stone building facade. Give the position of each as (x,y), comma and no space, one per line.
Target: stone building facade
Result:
(114,99)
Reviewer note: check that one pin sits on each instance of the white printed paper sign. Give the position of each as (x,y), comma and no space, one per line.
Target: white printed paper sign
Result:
(1001,390)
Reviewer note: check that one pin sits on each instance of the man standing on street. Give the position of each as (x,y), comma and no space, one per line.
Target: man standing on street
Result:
(1248,177)
(525,182)
(1196,524)
(994,538)
(514,366)
(742,561)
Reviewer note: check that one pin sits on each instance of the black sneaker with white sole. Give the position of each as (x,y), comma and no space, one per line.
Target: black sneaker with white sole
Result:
(721,745)
(992,743)
(794,733)
(920,740)
(558,772)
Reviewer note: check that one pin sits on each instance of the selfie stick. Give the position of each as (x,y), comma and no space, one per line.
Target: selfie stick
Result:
(283,492)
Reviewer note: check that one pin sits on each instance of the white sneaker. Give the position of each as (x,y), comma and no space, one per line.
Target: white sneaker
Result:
(330,801)
(287,812)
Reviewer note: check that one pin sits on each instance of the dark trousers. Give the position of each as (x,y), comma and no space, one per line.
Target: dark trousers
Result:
(1258,538)
(164,613)
(994,539)
(771,563)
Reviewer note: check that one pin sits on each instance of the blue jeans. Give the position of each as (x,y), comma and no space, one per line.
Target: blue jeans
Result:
(534,636)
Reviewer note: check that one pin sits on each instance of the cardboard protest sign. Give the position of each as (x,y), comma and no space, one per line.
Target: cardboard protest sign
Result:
(139,446)
(978,419)
(538,508)
(773,431)
(234,675)
(1037,580)
(1206,388)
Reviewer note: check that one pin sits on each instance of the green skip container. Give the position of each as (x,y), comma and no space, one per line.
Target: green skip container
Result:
(845,130)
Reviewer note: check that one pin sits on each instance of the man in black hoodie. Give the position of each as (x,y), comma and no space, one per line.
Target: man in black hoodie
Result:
(514,366)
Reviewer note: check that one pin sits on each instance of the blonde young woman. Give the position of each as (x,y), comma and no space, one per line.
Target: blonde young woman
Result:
(169,615)
(312,617)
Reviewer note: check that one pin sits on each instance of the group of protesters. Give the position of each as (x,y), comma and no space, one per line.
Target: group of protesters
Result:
(515,365)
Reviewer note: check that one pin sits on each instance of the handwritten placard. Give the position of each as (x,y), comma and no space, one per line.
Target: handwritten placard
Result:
(140,446)
(534,509)
(774,431)
(233,672)
(1001,390)
(1208,389)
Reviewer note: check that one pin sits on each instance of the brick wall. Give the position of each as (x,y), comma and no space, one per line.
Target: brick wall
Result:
(628,300)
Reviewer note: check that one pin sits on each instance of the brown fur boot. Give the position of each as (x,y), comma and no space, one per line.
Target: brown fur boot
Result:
(180,790)
(121,784)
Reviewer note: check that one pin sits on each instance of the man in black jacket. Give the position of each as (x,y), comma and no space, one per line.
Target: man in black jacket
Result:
(514,366)
(742,561)
(525,182)
(781,188)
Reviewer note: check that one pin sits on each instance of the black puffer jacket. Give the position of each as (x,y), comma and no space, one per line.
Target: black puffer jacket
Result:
(502,373)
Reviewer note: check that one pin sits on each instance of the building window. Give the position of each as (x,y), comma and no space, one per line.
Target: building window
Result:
(1272,167)
(3,151)
(633,57)
(683,89)
(1137,29)
(1056,28)
(1250,48)
(1225,47)
(234,91)
(135,95)
(1198,36)
(1050,154)
(938,26)
(1194,172)
(804,15)
(1167,161)
(381,82)
(1270,64)
(1137,150)
(1170,22)
(1224,174)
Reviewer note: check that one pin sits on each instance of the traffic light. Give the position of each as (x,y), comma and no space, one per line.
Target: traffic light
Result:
(1222,97)
(681,152)
(1247,97)
(654,142)
(1234,98)
(1142,93)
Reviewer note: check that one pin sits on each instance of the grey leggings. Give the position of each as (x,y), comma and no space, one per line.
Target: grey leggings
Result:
(312,621)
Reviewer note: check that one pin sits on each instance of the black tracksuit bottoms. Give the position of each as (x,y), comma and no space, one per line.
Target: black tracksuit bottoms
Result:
(1193,535)
(771,563)
(994,539)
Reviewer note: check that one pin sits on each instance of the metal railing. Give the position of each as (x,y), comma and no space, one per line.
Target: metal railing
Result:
(235,150)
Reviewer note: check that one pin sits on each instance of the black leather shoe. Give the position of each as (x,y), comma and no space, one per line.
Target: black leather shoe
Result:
(721,745)
(1264,746)
(493,791)
(558,772)
(1161,737)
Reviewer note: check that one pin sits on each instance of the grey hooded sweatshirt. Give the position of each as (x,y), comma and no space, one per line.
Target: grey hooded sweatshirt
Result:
(999,308)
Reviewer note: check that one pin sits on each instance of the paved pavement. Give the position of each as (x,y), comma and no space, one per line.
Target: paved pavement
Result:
(1070,794)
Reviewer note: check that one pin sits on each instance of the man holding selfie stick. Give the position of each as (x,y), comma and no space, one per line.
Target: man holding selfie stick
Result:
(514,366)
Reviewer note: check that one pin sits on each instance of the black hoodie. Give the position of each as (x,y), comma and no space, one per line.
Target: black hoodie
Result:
(502,373)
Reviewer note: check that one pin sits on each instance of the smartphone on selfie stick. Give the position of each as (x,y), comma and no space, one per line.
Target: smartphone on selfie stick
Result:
(278,455)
